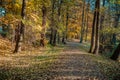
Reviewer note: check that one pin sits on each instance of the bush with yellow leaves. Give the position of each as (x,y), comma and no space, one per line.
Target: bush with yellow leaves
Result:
(5,45)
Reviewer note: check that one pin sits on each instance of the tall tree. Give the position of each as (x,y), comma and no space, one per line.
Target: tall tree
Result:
(59,21)
(67,18)
(44,17)
(60,2)
(96,50)
(20,29)
(87,19)
(83,23)
(52,22)
(93,30)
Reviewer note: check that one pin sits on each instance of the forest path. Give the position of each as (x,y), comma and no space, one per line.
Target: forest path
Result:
(75,64)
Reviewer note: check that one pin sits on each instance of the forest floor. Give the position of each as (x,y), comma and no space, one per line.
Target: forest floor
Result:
(69,62)
(76,64)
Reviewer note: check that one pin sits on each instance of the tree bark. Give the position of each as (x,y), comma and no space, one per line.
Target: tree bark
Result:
(93,31)
(44,17)
(20,28)
(51,36)
(67,18)
(96,50)
(86,36)
(59,18)
(87,21)
(52,23)
(58,38)
(55,37)
(63,39)
(83,23)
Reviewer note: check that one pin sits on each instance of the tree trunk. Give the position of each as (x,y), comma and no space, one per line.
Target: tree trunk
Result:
(52,23)
(116,53)
(67,18)
(58,38)
(55,37)
(20,30)
(17,38)
(63,39)
(96,50)
(51,36)
(83,23)
(86,36)
(87,21)
(93,31)
(44,16)
(59,17)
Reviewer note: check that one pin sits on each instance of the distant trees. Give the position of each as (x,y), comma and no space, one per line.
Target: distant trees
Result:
(96,50)
(59,21)
(86,16)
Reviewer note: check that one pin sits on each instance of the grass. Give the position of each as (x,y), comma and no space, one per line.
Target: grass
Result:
(29,65)
(107,66)
(84,46)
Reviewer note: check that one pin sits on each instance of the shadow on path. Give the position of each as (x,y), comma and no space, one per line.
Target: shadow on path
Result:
(74,64)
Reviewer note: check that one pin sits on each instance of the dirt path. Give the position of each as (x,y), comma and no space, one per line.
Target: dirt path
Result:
(74,64)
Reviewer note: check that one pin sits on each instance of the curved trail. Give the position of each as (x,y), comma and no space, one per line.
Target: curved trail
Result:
(74,64)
